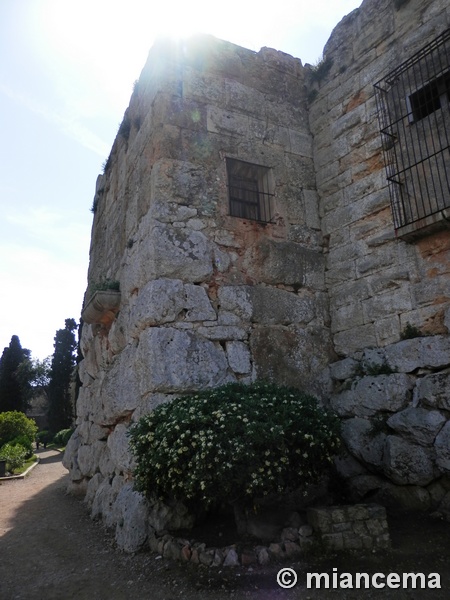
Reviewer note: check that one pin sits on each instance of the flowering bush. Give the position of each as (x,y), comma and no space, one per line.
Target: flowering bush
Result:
(233,443)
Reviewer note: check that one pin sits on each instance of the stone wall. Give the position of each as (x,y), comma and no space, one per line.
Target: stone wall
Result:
(207,298)
(377,283)
(395,409)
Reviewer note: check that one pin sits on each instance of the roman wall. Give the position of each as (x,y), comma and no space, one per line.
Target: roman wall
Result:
(317,297)
(391,393)
(205,298)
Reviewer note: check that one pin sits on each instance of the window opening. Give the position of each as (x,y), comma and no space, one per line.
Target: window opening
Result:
(413,103)
(249,191)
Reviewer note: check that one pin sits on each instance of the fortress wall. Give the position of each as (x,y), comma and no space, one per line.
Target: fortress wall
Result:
(205,298)
(377,282)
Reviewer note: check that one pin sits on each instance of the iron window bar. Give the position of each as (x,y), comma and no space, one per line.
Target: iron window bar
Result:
(413,106)
(249,191)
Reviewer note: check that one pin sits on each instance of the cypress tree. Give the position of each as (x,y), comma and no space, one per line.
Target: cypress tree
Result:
(60,412)
(13,395)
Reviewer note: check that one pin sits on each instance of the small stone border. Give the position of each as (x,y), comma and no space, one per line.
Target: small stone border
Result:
(22,475)
(294,542)
(333,528)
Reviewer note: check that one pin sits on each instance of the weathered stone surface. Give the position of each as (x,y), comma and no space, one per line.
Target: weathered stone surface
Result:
(363,441)
(442,446)
(405,463)
(343,369)
(268,264)
(169,360)
(231,559)
(238,355)
(163,516)
(272,306)
(418,424)
(373,394)
(119,394)
(70,456)
(306,353)
(177,254)
(434,390)
(166,300)
(88,457)
(120,452)
(428,352)
(131,515)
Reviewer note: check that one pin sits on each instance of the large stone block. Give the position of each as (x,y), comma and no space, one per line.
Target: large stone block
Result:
(119,394)
(238,355)
(364,441)
(166,300)
(272,306)
(371,395)
(131,517)
(405,463)
(119,449)
(267,263)
(418,424)
(434,390)
(169,360)
(422,352)
(306,353)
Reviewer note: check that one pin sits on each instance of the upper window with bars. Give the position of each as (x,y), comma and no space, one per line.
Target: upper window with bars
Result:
(413,103)
(250,191)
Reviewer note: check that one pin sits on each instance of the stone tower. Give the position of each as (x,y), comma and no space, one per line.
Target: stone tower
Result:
(246,224)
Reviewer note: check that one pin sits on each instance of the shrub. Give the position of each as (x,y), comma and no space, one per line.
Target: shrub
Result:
(14,456)
(410,331)
(15,424)
(25,443)
(235,443)
(44,437)
(62,437)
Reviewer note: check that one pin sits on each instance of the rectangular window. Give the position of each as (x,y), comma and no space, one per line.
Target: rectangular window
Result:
(249,191)
(414,117)
(431,97)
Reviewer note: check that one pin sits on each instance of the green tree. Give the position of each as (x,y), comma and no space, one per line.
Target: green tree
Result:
(34,377)
(14,424)
(13,390)
(60,412)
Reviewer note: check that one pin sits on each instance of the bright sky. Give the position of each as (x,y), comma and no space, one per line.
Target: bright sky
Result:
(67,69)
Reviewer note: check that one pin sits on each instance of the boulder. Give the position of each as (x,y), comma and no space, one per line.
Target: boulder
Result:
(363,441)
(131,517)
(371,395)
(434,390)
(417,424)
(406,463)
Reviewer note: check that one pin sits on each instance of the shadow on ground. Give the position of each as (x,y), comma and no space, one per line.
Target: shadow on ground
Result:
(53,551)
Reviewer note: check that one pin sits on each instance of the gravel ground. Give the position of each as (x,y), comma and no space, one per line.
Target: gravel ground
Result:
(51,550)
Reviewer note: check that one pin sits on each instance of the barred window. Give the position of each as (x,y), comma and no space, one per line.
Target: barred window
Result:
(250,191)
(413,103)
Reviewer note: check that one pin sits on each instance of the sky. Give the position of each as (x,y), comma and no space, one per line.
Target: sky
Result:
(67,70)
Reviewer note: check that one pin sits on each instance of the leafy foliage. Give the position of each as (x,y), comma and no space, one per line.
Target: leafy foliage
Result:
(25,443)
(63,436)
(410,331)
(15,424)
(233,443)
(60,412)
(14,454)
(13,390)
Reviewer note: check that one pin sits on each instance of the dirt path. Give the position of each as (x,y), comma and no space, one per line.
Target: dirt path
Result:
(51,550)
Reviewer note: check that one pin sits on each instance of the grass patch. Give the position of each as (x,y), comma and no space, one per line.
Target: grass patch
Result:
(27,465)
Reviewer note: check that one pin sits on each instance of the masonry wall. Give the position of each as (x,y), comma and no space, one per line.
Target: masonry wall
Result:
(391,394)
(377,283)
(205,298)
(317,299)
